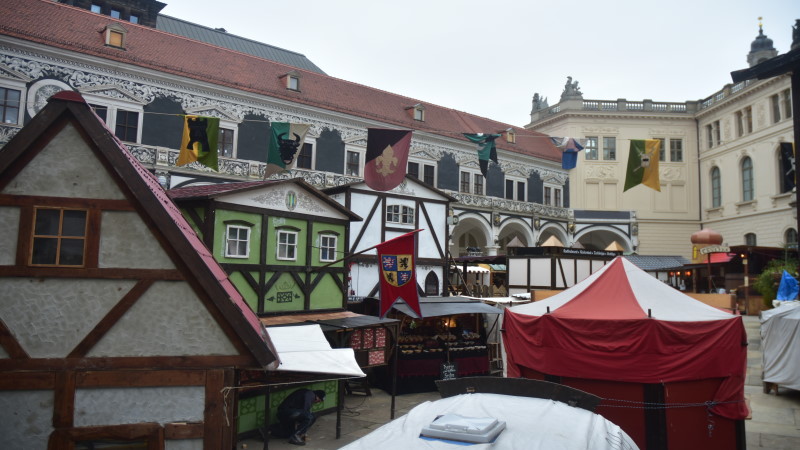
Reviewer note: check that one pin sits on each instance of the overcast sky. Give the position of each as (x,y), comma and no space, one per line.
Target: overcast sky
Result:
(489,57)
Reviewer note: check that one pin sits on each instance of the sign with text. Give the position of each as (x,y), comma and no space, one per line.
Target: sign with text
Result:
(449,371)
(714,249)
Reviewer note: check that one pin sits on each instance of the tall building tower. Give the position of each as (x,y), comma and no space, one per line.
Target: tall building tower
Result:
(761,49)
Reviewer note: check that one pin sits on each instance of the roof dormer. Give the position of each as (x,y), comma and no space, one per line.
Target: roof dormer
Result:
(292,80)
(114,35)
(511,136)
(417,112)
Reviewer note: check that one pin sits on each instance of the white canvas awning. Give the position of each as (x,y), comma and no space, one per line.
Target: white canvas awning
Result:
(303,348)
(474,269)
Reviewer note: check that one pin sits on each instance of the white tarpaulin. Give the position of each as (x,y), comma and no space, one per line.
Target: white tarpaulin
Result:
(531,424)
(780,345)
(303,348)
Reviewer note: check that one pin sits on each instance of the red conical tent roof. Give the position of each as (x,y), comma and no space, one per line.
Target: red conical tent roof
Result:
(622,324)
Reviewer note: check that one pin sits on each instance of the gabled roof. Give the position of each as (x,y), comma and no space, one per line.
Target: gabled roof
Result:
(78,30)
(622,291)
(222,38)
(209,191)
(149,199)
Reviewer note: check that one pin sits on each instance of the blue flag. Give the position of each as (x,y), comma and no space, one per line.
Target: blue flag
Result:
(570,147)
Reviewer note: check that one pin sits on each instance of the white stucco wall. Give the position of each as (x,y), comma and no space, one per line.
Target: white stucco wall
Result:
(50,316)
(26,419)
(66,167)
(168,320)
(119,406)
(125,241)
(9,223)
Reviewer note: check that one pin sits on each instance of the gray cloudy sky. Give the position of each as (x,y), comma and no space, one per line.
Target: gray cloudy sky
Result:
(489,58)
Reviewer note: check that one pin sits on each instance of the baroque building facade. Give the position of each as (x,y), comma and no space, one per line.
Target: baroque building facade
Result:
(140,79)
(720,166)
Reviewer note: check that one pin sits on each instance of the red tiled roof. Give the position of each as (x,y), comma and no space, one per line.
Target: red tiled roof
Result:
(210,190)
(79,30)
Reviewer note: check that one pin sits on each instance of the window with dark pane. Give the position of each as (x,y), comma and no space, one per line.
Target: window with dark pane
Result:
(413,169)
(304,157)
(428,176)
(59,237)
(9,105)
(127,125)
(101,111)
(225,142)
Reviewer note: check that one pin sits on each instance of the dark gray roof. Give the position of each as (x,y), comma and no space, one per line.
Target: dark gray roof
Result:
(236,43)
(447,306)
(651,263)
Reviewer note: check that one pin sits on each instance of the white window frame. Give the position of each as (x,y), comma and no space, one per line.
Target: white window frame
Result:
(114,105)
(461,184)
(283,248)
(553,188)
(401,214)
(331,248)
(592,152)
(293,82)
(419,113)
(238,239)
(672,150)
(421,165)
(313,143)
(16,86)
(478,183)
(514,189)
(606,155)
(361,153)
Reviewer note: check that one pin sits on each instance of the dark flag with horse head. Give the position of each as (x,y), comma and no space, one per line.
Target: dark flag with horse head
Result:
(285,144)
(199,142)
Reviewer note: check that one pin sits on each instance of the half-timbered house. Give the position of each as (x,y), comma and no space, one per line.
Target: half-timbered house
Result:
(116,323)
(282,242)
(410,206)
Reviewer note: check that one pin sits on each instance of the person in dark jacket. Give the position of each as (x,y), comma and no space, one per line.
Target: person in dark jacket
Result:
(295,416)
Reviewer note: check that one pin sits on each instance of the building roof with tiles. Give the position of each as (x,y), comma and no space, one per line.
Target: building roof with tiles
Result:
(72,29)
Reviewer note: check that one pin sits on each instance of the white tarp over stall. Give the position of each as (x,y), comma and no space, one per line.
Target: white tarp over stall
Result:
(303,348)
(780,345)
(531,423)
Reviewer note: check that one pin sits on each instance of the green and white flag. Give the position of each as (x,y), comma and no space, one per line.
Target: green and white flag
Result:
(285,144)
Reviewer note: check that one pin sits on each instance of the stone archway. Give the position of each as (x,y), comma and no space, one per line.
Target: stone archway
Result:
(514,228)
(598,238)
(548,231)
(472,235)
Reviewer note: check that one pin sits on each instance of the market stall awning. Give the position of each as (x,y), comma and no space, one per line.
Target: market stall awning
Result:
(473,269)
(445,308)
(303,348)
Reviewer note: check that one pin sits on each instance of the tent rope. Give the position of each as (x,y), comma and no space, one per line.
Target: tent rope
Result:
(656,405)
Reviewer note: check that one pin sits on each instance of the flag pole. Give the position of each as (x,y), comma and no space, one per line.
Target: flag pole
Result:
(367,249)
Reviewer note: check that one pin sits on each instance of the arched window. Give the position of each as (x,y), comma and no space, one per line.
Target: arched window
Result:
(716,188)
(750,239)
(431,284)
(790,238)
(747,179)
(786,160)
